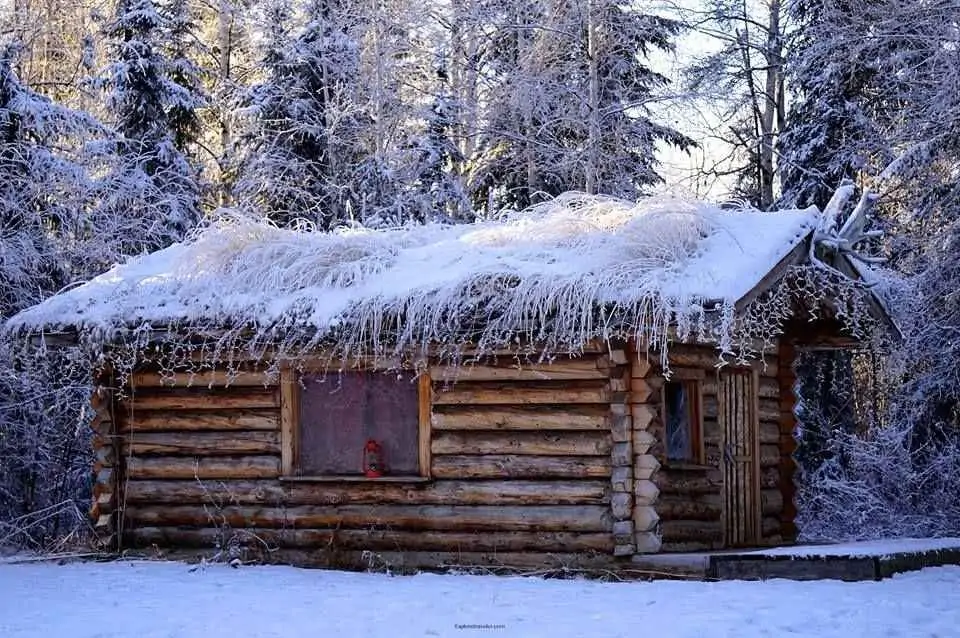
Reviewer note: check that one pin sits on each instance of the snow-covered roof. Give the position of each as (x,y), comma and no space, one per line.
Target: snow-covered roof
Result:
(546,269)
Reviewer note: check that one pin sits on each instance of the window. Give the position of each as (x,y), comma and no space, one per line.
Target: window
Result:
(355,425)
(681,421)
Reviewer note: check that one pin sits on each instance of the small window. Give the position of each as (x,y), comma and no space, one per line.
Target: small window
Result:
(682,427)
(358,425)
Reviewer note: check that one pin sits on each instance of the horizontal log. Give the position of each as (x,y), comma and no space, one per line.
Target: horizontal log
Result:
(623,532)
(708,532)
(713,456)
(473,518)
(690,356)
(517,466)
(687,374)
(201,443)
(618,354)
(711,431)
(221,467)
(512,370)
(102,422)
(621,454)
(640,365)
(271,492)
(104,452)
(769,432)
(770,478)
(466,354)
(688,482)
(514,394)
(769,456)
(526,443)
(412,562)
(705,507)
(708,357)
(642,391)
(684,547)
(647,542)
(692,482)
(145,421)
(769,526)
(522,418)
(643,416)
(711,407)
(378,539)
(203,399)
(619,385)
(769,387)
(202,379)
(769,409)
(771,502)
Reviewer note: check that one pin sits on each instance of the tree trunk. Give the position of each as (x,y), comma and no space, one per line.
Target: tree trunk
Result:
(772,119)
(593,133)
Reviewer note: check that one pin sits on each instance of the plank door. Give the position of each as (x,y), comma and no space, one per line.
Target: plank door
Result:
(740,455)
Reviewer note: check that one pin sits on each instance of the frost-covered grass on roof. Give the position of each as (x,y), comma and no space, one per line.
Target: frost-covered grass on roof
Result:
(564,272)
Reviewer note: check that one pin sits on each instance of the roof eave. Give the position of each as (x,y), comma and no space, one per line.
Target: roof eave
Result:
(798,255)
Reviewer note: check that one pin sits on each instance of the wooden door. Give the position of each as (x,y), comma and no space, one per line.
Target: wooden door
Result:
(740,454)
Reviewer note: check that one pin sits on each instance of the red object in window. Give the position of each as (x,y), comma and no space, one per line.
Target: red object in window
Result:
(372,459)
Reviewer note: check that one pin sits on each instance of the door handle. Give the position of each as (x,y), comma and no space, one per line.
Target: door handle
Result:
(728,454)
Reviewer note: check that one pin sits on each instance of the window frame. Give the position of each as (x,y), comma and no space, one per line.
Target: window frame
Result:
(692,381)
(290,389)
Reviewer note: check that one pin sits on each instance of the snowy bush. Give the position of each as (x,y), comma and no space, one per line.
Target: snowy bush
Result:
(882,484)
(69,208)
(46,457)
(880,444)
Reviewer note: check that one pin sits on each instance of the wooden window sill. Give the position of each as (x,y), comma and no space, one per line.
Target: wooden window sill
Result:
(356,479)
(686,465)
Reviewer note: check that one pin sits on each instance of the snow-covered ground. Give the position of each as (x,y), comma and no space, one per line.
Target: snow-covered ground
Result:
(173,600)
(880,548)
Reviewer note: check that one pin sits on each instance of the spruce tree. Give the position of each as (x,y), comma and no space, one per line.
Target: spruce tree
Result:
(43,186)
(151,177)
(185,77)
(830,134)
(435,184)
(297,147)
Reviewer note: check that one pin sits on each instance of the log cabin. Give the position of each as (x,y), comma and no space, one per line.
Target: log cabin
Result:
(573,386)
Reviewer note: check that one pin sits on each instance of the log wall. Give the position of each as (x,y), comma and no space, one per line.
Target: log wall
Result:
(557,464)
(642,404)
(690,495)
(787,379)
(104,511)
(520,459)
